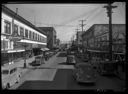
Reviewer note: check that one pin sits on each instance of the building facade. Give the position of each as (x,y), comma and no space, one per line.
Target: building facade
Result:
(97,37)
(18,36)
(51,36)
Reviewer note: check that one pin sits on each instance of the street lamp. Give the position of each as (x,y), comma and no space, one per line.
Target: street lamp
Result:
(25,65)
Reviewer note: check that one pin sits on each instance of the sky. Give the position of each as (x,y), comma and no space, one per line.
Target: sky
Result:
(65,18)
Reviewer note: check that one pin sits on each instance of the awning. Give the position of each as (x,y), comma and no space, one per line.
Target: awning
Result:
(44,49)
(29,41)
(12,51)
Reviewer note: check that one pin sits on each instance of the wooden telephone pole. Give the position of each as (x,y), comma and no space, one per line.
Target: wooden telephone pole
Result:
(109,13)
(82,25)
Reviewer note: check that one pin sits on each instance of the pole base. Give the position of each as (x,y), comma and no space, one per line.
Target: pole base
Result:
(25,65)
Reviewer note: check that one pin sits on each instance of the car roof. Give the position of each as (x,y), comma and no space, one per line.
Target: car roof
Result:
(8,67)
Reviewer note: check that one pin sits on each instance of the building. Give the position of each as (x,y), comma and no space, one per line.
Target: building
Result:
(51,36)
(97,37)
(18,36)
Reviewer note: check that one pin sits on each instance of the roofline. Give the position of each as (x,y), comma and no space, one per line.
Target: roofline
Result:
(19,18)
(99,24)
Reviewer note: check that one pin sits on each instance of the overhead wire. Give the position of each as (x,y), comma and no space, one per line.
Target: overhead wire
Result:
(80,16)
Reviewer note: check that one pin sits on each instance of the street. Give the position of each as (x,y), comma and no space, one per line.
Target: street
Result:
(55,74)
(63,46)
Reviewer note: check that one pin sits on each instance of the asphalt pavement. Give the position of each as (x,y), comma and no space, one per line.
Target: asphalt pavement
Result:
(56,74)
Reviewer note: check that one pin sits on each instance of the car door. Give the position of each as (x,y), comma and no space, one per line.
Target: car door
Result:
(12,76)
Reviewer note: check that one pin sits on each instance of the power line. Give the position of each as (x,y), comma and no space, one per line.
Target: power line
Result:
(80,16)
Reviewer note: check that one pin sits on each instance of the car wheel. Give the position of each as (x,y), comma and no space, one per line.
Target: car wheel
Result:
(8,86)
(18,79)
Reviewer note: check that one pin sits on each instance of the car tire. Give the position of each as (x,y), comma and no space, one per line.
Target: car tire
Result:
(18,79)
(8,86)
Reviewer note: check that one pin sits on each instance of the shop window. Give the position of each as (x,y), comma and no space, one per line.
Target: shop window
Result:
(21,31)
(7,27)
(26,33)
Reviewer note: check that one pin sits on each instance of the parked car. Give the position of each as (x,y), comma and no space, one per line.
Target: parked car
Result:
(107,67)
(71,59)
(84,73)
(10,75)
(38,61)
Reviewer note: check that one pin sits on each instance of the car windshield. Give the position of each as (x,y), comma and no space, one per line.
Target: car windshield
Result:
(5,72)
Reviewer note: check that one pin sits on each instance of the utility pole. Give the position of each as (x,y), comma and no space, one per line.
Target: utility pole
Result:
(109,14)
(77,35)
(82,25)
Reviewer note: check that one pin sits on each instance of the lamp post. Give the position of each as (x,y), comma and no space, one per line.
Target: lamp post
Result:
(25,65)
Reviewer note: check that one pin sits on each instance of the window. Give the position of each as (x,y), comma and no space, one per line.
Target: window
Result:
(11,71)
(7,27)
(5,44)
(5,72)
(30,34)
(33,35)
(36,36)
(2,44)
(26,33)
(21,31)
(15,32)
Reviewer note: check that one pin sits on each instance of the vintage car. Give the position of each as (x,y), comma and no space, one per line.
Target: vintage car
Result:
(85,73)
(38,61)
(107,67)
(10,75)
(71,59)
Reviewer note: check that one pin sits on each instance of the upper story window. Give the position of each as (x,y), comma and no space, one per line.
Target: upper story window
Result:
(38,37)
(30,34)
(21,31)
(15,31)
(26,33)
(4,44)
(33,35)
(7,27)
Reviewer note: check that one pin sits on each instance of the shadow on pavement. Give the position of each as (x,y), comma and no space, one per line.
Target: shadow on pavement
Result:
(65,63)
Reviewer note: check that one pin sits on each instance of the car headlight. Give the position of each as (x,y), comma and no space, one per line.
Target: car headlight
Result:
(3,85)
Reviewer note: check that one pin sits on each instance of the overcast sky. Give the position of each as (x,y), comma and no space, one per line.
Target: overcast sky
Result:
(65,17)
